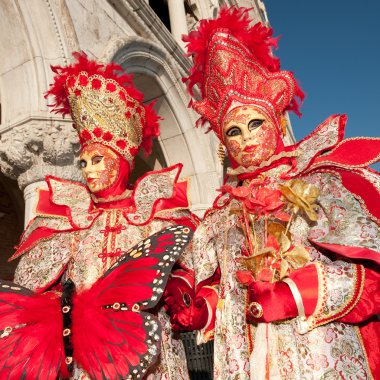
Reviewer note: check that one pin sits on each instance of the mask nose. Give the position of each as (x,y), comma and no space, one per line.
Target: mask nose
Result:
(247,135)
(86,171)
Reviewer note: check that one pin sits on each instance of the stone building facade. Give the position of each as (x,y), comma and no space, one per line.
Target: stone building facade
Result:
(140,35)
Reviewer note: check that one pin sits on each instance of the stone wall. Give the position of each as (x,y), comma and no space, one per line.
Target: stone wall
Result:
(35,34)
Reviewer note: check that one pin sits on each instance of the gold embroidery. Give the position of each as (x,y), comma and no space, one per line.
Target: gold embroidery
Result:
(322,316)
(360,338)
(102,109)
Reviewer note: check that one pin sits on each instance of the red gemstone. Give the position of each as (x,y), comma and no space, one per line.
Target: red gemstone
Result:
(97,132)
(111,87)
(96,84)
(86,135)
(83,80)
(133,151)
(121,144)
(107,136)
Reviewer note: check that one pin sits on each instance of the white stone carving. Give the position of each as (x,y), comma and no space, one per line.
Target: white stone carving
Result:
(35,149)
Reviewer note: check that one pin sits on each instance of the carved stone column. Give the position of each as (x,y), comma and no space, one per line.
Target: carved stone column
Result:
(178,23)
(35,149)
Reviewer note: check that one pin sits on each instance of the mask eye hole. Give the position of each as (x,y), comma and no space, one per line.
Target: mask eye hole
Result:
(82,164)
(255,123)
(233,131)
(97,159)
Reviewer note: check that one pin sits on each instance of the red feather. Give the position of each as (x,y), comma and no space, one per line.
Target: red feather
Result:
(34,347)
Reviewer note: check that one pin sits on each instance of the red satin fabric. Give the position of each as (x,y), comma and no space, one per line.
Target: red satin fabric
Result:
(369,302)
(351,252)
(126,203)
(357,184)
(356,152)
(179,198)
(277,300)
(46,206)
(306,280)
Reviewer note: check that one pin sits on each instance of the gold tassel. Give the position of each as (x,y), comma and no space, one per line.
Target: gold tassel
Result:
(221,153)
(283,125)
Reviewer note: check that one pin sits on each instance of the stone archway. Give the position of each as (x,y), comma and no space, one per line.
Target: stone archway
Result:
(160,80)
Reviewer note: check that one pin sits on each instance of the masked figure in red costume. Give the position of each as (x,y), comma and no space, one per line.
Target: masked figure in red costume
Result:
(292,243)
(80,231)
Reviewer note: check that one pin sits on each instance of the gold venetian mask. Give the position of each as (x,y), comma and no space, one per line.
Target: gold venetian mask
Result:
(249,135)
(100,166)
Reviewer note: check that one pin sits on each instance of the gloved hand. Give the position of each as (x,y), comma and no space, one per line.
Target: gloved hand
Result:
(190,318)
(186,311)
(269,302)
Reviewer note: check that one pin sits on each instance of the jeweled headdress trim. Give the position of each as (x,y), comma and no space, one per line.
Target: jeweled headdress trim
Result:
(234,64)
(105,107)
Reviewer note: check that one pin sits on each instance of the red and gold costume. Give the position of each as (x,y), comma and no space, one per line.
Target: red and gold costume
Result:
(78,233)
(286,261)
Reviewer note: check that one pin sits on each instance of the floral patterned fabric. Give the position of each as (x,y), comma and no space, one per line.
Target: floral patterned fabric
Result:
(84,254)
(329,350)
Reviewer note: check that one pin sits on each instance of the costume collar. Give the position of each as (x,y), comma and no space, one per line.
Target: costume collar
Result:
(324,150)
(297,158)
(154,192)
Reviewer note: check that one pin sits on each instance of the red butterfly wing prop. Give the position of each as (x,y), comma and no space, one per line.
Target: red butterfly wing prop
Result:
(31,345)
(112,339)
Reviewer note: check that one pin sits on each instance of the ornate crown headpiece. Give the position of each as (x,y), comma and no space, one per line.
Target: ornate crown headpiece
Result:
(234,65)
(105,107)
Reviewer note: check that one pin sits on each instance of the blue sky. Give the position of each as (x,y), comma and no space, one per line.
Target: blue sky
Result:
(333,48)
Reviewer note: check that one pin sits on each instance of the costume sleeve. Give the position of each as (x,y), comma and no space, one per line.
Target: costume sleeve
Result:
(321,293)
(330,292)
(344,231)
(369,302)
(327,290)
(44,261)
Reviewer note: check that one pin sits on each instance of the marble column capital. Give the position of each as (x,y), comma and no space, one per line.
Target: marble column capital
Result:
(40,147)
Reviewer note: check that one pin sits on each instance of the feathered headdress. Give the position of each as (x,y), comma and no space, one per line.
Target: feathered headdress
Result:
(105,107)
(234,65)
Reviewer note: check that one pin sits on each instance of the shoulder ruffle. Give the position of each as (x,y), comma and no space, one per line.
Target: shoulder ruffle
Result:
(158,193)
